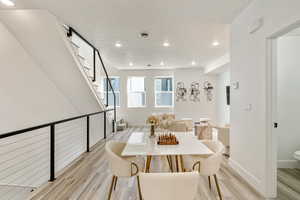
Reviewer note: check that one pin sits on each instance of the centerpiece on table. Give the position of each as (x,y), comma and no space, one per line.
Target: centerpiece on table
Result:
(153,121)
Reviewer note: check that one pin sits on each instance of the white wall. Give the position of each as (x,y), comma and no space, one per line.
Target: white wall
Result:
(188,109)
(28,98)
(223,110)
(248,66)
(288,85)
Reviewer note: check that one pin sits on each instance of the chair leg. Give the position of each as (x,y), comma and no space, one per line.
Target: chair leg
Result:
(139,187)
(218,187)
(115,185)
(177,163)
(209,182)
(111,187)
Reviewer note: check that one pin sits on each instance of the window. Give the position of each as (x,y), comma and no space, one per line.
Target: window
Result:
(163,92)
(136,92)
(115,82)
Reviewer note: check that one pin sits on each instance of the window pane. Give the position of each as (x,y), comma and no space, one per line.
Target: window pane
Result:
(163,84)
(136,84)
(115,82)
(136,99)
(164,99)
(111,99)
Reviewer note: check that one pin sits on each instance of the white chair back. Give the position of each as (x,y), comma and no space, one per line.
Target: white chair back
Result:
(118,165)
(169,186)
(211,165)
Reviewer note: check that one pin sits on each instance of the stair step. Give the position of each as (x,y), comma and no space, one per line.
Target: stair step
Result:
(74,44)
(86,68)
(81,57)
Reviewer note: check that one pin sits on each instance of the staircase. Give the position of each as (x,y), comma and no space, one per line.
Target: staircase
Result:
(87,55)
(39,144)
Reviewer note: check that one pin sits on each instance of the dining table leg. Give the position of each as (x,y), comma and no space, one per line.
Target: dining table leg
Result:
(148,164)
(181,163)
(177,163)
(169,158)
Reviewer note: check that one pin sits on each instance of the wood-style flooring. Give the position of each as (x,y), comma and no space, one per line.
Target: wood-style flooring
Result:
(89,179)
(288,184)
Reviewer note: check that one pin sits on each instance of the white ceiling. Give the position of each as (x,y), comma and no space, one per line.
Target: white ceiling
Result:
(189,25)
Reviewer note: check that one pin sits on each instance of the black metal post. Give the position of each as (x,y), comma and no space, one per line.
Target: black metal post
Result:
(115,114)
(52,153)
(107,81)
(94,64)
(104,125)
(88,134)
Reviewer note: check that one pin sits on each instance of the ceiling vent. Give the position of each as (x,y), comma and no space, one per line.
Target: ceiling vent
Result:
(144,35)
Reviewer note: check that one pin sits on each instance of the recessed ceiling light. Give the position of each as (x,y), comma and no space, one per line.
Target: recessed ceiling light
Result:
(162,63)
(118,44)
(130,64)
(193,63)
(166,44)
(8,3)
(215,43)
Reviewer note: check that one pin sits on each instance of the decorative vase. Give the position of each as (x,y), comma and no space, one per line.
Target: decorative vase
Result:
(152,131)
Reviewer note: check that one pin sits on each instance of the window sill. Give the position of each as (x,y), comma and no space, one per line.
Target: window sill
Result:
(163,106)
(137,107)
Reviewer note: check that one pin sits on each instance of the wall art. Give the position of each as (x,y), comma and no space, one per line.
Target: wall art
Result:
(181,92)
(208,88)
(195,91)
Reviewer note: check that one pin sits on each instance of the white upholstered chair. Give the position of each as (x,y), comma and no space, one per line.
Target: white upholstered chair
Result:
(207,166)
(120,166)
(169,186)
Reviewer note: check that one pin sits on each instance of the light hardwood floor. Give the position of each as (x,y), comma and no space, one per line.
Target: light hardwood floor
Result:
(90,178)
(288,184)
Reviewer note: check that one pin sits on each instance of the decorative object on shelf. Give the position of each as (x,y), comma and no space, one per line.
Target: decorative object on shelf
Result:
(208,90)
(153,121)
(167,139)
(195,91)
(181,92)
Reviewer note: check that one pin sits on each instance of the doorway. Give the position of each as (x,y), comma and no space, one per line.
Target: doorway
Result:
(283,173)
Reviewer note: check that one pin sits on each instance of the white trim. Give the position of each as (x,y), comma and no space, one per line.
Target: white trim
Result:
(271,112)
(247,176)
(290,164)
(218,63)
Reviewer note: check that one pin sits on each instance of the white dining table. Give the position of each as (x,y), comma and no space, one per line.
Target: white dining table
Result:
(140,144)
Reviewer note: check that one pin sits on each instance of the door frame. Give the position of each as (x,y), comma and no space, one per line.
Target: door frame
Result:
(271,106)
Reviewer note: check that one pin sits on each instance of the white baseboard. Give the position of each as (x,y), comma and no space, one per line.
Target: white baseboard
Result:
(288,164)
(254,182)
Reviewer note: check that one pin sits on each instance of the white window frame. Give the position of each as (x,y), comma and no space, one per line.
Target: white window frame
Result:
(104,91)
(129,92)
(166,92)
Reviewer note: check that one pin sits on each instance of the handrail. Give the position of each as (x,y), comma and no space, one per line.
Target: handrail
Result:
(52,125)
(13,133)
(71,30)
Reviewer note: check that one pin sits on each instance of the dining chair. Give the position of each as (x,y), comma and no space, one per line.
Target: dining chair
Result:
(120,166)
(208,166)
(169,186)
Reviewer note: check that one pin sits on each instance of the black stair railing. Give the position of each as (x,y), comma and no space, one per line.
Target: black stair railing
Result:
(96,53)
(52,126)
